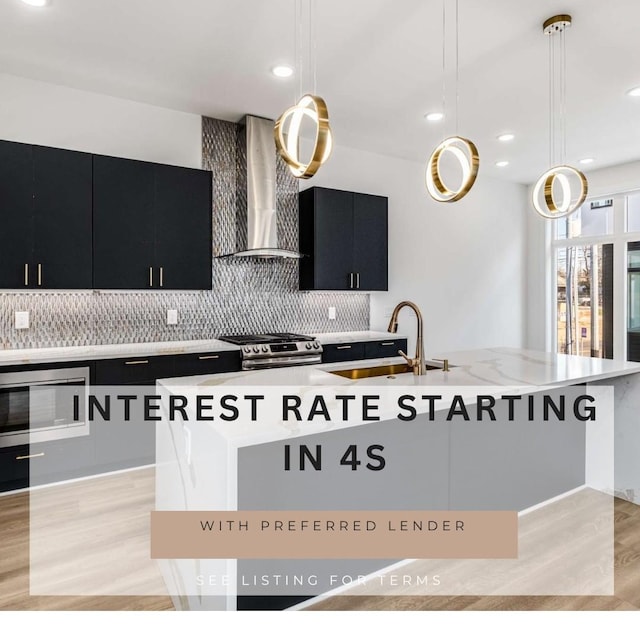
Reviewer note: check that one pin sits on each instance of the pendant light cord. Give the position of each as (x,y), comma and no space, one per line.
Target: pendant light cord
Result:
(313,44)
(563,95)
(457,67)
(298,45)
(444,69)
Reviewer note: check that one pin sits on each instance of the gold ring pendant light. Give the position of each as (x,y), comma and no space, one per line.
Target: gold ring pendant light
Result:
(462,149)
(287,131)
(569,181)
(287,134)
(466,153)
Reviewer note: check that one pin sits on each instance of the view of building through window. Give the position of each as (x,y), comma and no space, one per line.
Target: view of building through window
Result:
(583,293)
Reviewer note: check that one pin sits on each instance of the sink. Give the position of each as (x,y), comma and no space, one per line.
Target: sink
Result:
(381,370)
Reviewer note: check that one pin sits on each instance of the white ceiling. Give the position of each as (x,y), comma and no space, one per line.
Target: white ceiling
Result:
(379,67)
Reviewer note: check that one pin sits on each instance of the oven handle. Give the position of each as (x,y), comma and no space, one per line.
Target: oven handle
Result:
(274,363)
(44,383)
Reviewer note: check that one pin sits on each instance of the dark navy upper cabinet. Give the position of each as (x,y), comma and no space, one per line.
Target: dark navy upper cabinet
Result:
(344,240)
(152,226)
(46,210)
(73,220)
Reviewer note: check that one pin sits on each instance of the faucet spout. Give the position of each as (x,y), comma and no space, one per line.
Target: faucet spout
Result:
(417,363)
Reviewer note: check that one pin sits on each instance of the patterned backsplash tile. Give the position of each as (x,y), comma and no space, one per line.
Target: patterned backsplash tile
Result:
(248,294)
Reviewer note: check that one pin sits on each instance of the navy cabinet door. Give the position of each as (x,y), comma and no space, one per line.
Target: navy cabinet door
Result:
(123,221)
(183,227)
(370,242)
(327,214)
(62,257)
(343,236)
(16,214)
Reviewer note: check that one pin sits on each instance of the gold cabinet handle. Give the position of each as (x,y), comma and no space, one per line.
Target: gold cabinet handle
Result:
(26,275)
(344,346)
(161,276)
(132,362)
(208,357)
(151,276)
(39,275)
(387,344)
(351,280)
(357,280)
(31,455)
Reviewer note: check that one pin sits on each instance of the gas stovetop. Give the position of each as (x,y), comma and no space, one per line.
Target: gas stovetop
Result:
(266,338)
(267,350)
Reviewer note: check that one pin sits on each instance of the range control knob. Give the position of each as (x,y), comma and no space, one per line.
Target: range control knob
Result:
(256,350)
(265,349)
(247,349)
(308,345)
(316,345)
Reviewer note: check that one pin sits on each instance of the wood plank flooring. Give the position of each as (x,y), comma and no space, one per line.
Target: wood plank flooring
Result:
(135,490)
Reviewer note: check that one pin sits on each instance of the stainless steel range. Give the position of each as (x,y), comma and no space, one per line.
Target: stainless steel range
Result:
(268,350)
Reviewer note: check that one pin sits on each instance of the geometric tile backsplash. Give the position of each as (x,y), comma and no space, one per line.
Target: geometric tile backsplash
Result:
(248,294)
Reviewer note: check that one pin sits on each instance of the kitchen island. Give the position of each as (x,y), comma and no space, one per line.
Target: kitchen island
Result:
(431,464)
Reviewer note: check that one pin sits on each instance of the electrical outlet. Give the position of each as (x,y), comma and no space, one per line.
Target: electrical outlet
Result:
(172,316)
(332,313)
(22,320)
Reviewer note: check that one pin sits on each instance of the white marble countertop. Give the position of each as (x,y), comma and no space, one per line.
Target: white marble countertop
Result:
(499,366)
(493,371)
(12,357)
(357,336)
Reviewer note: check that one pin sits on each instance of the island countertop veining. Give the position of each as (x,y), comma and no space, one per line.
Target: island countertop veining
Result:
(498,366)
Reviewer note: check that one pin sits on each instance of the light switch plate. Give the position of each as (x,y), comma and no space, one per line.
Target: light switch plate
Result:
(172,316)
(332,313)
(22,320)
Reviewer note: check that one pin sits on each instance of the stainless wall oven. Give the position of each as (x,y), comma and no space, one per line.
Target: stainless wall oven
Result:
(36,406)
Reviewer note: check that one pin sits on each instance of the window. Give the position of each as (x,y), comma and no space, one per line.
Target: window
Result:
(633,213)
(584,299)
(595,218)
(596,270)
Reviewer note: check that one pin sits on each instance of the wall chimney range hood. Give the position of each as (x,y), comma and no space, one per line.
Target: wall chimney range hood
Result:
(256,216)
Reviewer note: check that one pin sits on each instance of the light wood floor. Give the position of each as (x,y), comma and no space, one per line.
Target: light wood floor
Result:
(136,490)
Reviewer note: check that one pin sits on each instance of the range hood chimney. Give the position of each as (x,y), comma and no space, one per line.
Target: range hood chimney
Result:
(257,224)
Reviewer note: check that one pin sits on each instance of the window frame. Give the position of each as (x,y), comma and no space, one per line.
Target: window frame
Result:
(619,238)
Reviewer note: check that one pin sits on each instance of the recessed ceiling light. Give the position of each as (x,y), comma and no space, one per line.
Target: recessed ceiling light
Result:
(502,163)
(434,116)
(586,160)
(282,71)
(36,3)
(634,93)
(506,137)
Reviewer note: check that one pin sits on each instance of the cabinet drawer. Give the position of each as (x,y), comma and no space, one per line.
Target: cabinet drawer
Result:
(54,461)
(133,370)
(61,460)
(14,468)
(343,352)
(385,348)
(193,364)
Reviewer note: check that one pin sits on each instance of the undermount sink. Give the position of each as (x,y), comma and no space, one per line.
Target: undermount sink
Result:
(381,370)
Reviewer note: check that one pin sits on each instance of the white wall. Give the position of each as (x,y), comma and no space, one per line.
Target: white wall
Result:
(464,264)
(50,115)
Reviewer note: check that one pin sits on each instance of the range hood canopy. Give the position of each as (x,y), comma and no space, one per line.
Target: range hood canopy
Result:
(256,192)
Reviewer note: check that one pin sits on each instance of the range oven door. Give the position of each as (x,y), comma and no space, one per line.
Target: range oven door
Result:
(37,406)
